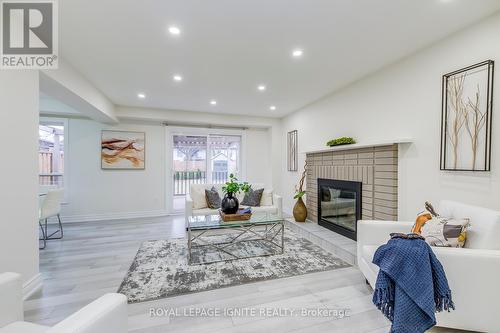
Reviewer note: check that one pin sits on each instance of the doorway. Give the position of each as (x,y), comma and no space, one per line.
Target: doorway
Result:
(202,159)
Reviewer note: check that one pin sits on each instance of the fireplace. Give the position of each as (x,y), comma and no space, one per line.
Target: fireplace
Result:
(339,205)
(376,167)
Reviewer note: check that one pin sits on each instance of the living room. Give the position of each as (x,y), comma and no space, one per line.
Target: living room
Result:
(341,116)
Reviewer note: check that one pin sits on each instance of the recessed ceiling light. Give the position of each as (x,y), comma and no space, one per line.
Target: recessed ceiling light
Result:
(141,95)
(177,78)
(213,102)
(174,30)
(297,53)
(272,108)
(261,87)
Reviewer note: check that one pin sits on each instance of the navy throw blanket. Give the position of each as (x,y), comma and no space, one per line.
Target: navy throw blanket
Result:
(411,284)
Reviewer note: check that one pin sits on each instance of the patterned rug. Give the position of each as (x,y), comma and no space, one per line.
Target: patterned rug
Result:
(160,268)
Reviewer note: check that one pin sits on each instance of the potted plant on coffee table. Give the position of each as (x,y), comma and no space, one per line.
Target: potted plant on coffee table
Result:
(300,209)
(230,203)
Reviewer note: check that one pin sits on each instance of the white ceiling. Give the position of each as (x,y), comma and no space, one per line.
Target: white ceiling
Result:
(228,47)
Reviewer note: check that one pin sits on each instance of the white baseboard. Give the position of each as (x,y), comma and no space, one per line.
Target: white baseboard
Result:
(32,286)
(112,216)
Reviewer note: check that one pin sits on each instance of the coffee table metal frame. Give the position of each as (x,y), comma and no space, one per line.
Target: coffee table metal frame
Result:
(261,227)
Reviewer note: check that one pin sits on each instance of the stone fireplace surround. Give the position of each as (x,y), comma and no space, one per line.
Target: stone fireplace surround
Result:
(376,167)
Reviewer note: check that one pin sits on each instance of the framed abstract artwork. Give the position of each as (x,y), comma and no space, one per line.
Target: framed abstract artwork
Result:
(122,150)
(467,105)
(292,154)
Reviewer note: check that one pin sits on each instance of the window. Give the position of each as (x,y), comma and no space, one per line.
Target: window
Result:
(208,158)
(51,152)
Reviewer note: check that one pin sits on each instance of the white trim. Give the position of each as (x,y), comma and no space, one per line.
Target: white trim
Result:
(171,132)
(169,193)
(32,286)
(243,155)
(66,177)
(113,216)
(360,145)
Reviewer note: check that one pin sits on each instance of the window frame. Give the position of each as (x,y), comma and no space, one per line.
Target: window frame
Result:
(65,174)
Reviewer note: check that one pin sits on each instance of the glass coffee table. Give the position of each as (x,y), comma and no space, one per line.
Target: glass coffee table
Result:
(211,232)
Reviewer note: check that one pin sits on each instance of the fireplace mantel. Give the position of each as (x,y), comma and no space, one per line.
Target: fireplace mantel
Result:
(360,146)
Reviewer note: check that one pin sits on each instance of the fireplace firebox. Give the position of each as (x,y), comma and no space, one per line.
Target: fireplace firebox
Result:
(339,206)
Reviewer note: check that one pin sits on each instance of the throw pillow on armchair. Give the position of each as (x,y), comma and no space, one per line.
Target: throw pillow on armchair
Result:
(439,230)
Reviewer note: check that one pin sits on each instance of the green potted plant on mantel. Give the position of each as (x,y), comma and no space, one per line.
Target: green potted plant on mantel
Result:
(300,209)
(230,203)
(345,140)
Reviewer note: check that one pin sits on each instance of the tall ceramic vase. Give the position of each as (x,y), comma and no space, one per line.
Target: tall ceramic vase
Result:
(300,211)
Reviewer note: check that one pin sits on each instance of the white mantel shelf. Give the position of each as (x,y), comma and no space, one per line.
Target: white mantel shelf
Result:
(360,145)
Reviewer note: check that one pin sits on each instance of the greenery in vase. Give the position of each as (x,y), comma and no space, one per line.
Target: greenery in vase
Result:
(299,194)
(233,186)
(299,190)
(341,141)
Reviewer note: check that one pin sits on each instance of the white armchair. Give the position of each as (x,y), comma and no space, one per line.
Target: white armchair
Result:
(473,272)
(106,314)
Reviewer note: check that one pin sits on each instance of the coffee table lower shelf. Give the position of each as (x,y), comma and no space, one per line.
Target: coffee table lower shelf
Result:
(272,233)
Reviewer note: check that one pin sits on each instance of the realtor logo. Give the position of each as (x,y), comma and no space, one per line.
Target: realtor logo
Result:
(29,34)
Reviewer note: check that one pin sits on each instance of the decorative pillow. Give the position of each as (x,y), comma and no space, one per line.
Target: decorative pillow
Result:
(445,231)
(334,193)
(423,217)
(199,200)
(213,198)
(325,194)
(441,231)
(252,198)
(267,198)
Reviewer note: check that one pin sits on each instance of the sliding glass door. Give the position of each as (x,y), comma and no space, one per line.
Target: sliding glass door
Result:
(189,162)
(203,159)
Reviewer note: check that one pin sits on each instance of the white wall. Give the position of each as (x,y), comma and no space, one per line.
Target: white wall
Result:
(102,194)
(96,193)
(404,100)
(19,175)
(271,125)
(258,157)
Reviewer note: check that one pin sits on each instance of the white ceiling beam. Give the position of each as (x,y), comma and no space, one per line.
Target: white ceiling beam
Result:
(71,88)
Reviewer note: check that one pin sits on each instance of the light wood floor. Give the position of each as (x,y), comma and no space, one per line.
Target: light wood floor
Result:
(93,258)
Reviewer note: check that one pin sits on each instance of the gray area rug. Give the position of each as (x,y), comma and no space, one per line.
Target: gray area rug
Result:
(160,268)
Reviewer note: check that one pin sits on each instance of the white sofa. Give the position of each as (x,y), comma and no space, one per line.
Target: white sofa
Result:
(473,272)
(273,204)
(107,314)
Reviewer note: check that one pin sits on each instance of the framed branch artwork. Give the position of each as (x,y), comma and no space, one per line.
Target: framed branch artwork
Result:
(467,104)
(292,154)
